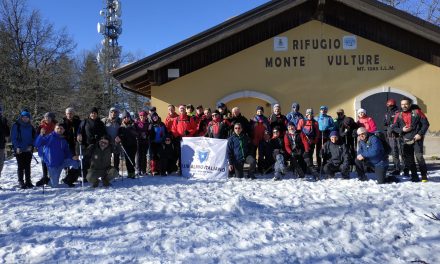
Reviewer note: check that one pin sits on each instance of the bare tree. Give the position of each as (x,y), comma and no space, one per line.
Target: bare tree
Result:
(428,10)
(30,50)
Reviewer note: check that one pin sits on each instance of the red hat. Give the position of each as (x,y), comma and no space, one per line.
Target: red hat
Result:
(391,102)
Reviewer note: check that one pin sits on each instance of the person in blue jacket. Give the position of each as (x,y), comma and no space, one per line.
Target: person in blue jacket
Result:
(22,137)
(239,152)
(56,153)
(326,125)
(370,155)
(294,116)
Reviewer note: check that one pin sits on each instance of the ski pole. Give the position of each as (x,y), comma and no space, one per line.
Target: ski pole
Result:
(81,163)
(322,156)
(33,156)
(122,166)
(125,152)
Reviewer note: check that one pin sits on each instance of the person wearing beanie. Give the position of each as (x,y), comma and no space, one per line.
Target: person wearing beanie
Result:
(276,119)
(47,126)
(94,110)
(224,112)
(170,117)
(71,124)
(112,124)
(158,133)
(56,154)
(99,155)
(217,127)
(346,127)
(371,156)
(142,126)
(4,133)
(22,138)
(128,136)
(90,131)
(294,116)
(366,121)
(259,124)
(310,136)
(392,137)
(336,157)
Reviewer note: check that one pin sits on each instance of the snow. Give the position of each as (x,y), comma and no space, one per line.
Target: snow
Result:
(176,220)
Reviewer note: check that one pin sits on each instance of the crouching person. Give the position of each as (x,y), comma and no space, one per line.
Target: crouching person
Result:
(370,155)
(167,157)
(336,157)
(239,152)
(100,156)
(56,153)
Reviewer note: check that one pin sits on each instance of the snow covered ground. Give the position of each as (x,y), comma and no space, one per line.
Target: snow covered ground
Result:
(175,220)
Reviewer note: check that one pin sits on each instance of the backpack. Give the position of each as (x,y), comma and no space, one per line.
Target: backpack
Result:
(309,131)
(386,146)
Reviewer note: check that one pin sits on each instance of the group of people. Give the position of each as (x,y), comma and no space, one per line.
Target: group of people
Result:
(320,146)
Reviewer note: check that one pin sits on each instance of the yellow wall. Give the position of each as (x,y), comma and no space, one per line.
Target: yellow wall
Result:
(313,84)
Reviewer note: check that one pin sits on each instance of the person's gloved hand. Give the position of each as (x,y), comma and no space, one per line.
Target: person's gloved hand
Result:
(18,150)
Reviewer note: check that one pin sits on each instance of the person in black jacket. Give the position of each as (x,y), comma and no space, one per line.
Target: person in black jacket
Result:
(237,117)
(72,123)
(392,137)
(4,133)
(411,124)
(347,133)
(336,157)
(239,152)
(128,136)
(167,157)
(265,154)
(91,129)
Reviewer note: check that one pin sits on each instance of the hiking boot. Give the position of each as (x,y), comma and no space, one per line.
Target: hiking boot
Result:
(22,185)
(29,185)
(131,175)
(363,178)
(424,178)
(406,172)
(42,181)
(395,172)
(70,184)
(95,184)
(415,178)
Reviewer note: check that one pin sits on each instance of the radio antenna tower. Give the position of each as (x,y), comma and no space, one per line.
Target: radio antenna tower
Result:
(109,55)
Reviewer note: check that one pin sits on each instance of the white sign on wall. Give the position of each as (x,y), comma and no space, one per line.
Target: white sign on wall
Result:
(280,44)
(349,42)
(204,158)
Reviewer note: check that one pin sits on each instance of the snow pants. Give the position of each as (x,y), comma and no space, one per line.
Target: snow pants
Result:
(24,166)
(55,172)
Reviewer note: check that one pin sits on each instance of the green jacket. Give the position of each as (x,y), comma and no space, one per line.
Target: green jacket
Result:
(100,160)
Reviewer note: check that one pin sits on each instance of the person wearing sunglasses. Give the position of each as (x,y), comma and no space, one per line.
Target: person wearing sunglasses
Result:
(239,152)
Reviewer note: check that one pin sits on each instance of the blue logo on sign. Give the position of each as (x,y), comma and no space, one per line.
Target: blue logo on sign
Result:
(203,155)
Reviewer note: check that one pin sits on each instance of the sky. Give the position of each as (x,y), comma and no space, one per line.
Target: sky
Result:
(147,26)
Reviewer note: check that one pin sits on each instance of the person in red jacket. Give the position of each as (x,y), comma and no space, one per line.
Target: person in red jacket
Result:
(47,125)
(366,121)
(172,115)
(310,136)
(183,126)
(259,125)
(294,149)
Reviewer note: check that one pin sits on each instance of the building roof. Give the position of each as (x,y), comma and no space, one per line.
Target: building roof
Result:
(369,19)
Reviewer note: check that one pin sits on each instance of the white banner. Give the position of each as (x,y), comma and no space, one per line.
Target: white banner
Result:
(204,158)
